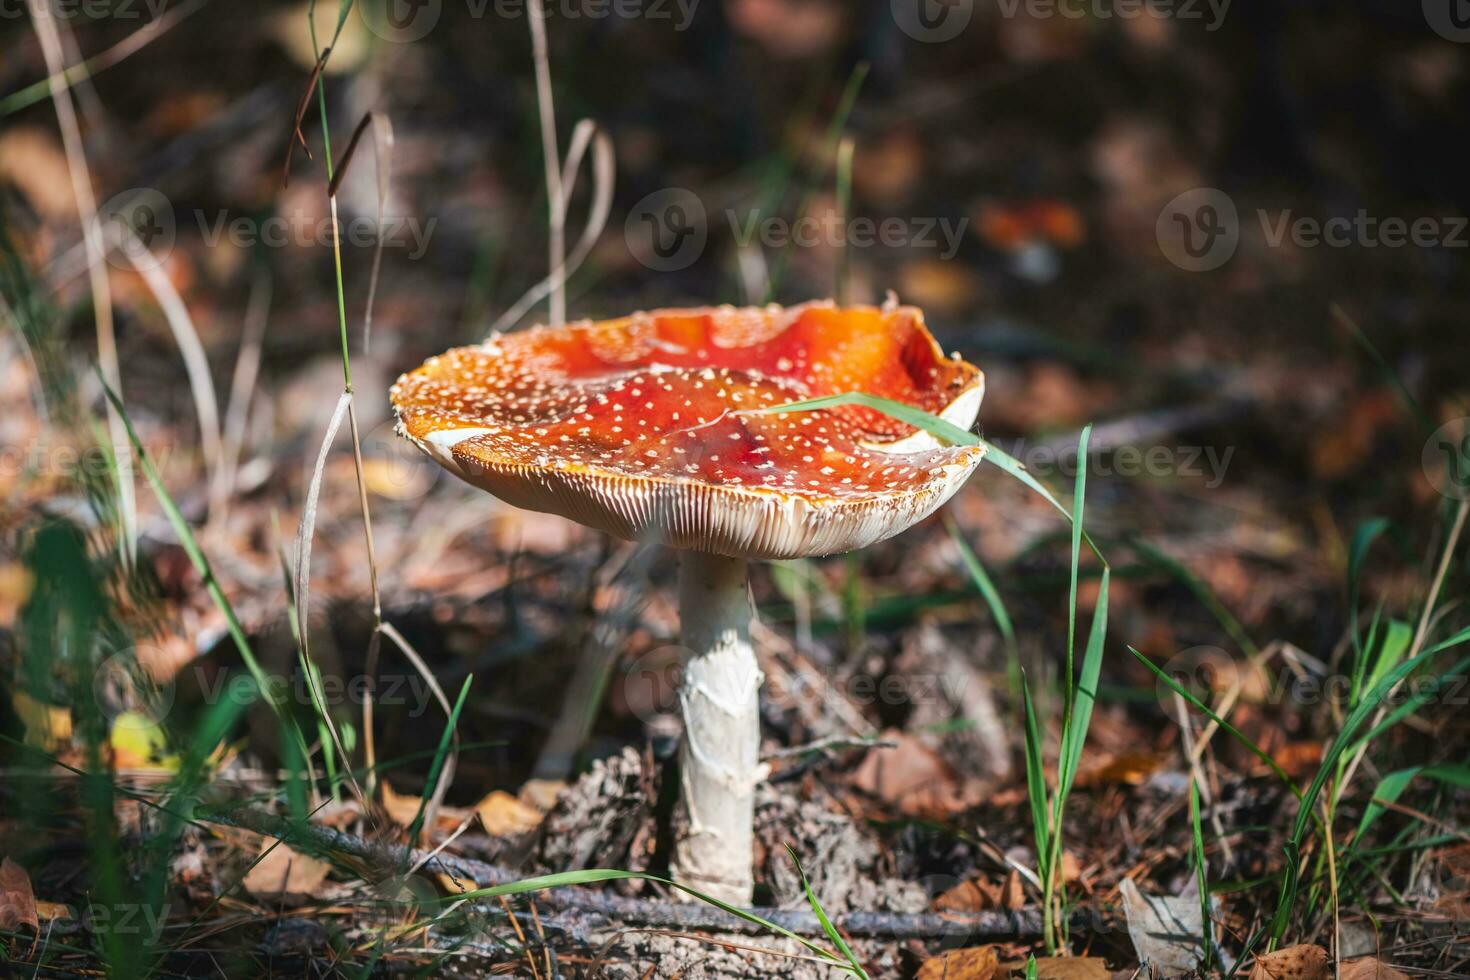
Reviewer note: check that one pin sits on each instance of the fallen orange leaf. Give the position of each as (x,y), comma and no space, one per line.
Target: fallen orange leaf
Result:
(17,900)
(1369,968)
(503,814)
(1067,968)
(1304,962)
(974,963)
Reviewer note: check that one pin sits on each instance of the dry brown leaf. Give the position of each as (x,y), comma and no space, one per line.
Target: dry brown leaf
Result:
(33,160)
(503,814)
(1300,757)
(910,776)
(283,871)
(967,896)
(1346,443)
(974,963)
(401,809)
(1013,894)
(1071,868)
(1370,968)
(1166,930)
(17,901)
(47,911)
(456,886)
(1127,769)
(15,589)
(1304,962)
(1066,968)
(789,28)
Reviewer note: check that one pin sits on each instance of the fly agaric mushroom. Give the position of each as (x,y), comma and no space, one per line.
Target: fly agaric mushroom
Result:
(658,427)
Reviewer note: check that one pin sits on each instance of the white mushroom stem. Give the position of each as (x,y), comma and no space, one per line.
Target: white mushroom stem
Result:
(720,758)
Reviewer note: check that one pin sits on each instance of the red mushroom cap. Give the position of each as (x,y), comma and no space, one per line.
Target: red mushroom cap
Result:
(649,427)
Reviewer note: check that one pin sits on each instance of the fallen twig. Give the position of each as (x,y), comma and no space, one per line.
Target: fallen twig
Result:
(613,908)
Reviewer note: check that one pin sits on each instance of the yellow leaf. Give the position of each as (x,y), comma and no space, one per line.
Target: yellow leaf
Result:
(503,814)
(974,963)
(48,726)
(401,809)
(1066,968)
(47,911)
(138,743)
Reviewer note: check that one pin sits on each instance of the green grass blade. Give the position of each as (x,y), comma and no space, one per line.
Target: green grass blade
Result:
(1390,651)
(909,414)
(1425,425)
(939,429)
(821,914)
(1036,783)
(1228,728)
(1075,733)
(1344,741)
(439,756)
(191,547)
(1201,872)
(1363,538)
(1419,700)
(1079,495)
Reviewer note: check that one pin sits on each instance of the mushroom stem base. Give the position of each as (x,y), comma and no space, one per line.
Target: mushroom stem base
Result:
(720,756)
